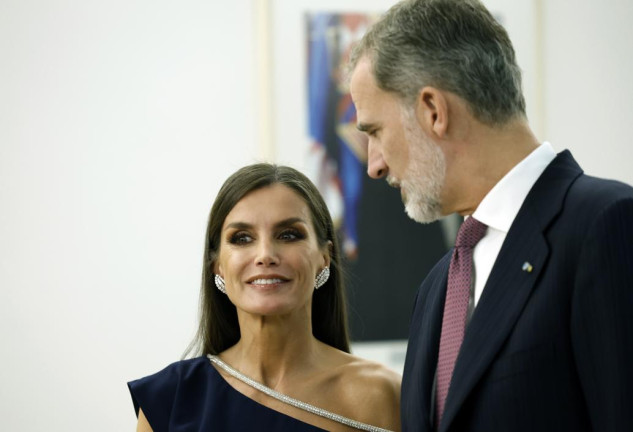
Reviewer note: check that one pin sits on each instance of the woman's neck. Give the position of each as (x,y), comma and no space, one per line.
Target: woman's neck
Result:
(274,350)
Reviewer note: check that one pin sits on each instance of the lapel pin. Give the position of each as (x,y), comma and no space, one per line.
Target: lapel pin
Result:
(527,267)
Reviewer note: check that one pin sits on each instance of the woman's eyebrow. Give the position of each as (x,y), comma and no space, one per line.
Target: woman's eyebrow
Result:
(289,221)
(238,225)
(282,223)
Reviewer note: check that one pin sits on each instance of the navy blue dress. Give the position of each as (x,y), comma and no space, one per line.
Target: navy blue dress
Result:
(191,395)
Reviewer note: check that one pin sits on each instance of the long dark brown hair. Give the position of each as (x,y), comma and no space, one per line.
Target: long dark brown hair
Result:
(219,328)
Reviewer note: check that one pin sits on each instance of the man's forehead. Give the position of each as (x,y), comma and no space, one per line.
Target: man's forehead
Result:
(362,81)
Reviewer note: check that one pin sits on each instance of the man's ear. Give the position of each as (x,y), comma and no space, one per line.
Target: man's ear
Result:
(432,111)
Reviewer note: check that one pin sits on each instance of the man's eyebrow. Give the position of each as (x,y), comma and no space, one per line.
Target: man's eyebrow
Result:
(365,127)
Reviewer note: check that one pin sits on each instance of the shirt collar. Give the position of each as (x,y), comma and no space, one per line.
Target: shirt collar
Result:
(502,203)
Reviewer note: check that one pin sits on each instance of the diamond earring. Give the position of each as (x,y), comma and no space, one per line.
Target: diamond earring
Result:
(322,278)
(219,282)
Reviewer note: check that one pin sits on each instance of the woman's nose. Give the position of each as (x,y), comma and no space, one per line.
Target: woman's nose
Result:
(266,254)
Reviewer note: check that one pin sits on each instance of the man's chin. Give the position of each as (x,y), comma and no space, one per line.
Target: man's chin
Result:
(424,214)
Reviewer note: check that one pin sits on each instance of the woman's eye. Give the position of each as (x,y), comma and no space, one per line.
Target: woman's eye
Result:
(240,238)
(291,235)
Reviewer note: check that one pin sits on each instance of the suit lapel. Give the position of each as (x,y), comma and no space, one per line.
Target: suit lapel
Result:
(431,329)
(509,286)
(421,360)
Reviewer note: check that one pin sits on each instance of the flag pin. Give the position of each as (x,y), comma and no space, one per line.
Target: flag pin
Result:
(527,267)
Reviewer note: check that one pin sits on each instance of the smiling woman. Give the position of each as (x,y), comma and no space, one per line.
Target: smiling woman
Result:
(272,257)
(273,324)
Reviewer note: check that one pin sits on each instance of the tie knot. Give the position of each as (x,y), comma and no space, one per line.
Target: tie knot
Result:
(470,233)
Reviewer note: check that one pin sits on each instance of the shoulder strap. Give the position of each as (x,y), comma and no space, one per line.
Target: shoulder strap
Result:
(291,401)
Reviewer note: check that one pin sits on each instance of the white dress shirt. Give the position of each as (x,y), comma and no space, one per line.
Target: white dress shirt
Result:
(499,208)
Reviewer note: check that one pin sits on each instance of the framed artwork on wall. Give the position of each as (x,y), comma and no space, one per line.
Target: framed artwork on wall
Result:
(308,122)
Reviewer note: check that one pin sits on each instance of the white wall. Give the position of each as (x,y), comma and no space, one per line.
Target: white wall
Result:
(118,122)
(588,83)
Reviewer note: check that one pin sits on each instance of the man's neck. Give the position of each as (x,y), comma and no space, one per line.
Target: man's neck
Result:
(487,154)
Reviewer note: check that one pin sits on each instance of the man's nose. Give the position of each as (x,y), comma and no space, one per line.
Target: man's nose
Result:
(376,165)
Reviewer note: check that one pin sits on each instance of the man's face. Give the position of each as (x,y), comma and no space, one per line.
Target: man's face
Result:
(398,147)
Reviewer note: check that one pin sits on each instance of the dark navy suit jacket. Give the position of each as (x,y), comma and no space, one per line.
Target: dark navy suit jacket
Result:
(546,350)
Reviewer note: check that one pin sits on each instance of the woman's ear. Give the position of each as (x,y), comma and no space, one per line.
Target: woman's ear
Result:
(327,255)
(432,111)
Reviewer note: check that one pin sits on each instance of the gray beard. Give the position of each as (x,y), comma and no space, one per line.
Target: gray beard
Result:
(421,185)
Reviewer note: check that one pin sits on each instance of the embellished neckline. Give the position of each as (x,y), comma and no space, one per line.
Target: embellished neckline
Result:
(215,360)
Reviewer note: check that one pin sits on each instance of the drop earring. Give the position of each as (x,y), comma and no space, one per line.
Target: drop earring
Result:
(322,278)
(219,282)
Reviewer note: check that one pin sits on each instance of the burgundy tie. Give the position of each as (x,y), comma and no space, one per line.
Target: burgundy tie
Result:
(456,307)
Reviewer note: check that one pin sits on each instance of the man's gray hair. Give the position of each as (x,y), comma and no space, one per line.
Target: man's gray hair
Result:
(453,45)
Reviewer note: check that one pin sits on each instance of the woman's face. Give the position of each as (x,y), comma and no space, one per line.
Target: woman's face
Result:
(269,254)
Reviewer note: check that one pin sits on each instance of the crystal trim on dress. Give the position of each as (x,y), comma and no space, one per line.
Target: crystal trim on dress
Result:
(291,401)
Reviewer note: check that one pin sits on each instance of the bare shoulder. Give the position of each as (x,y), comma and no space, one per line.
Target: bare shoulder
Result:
(370,374)
(370,392)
